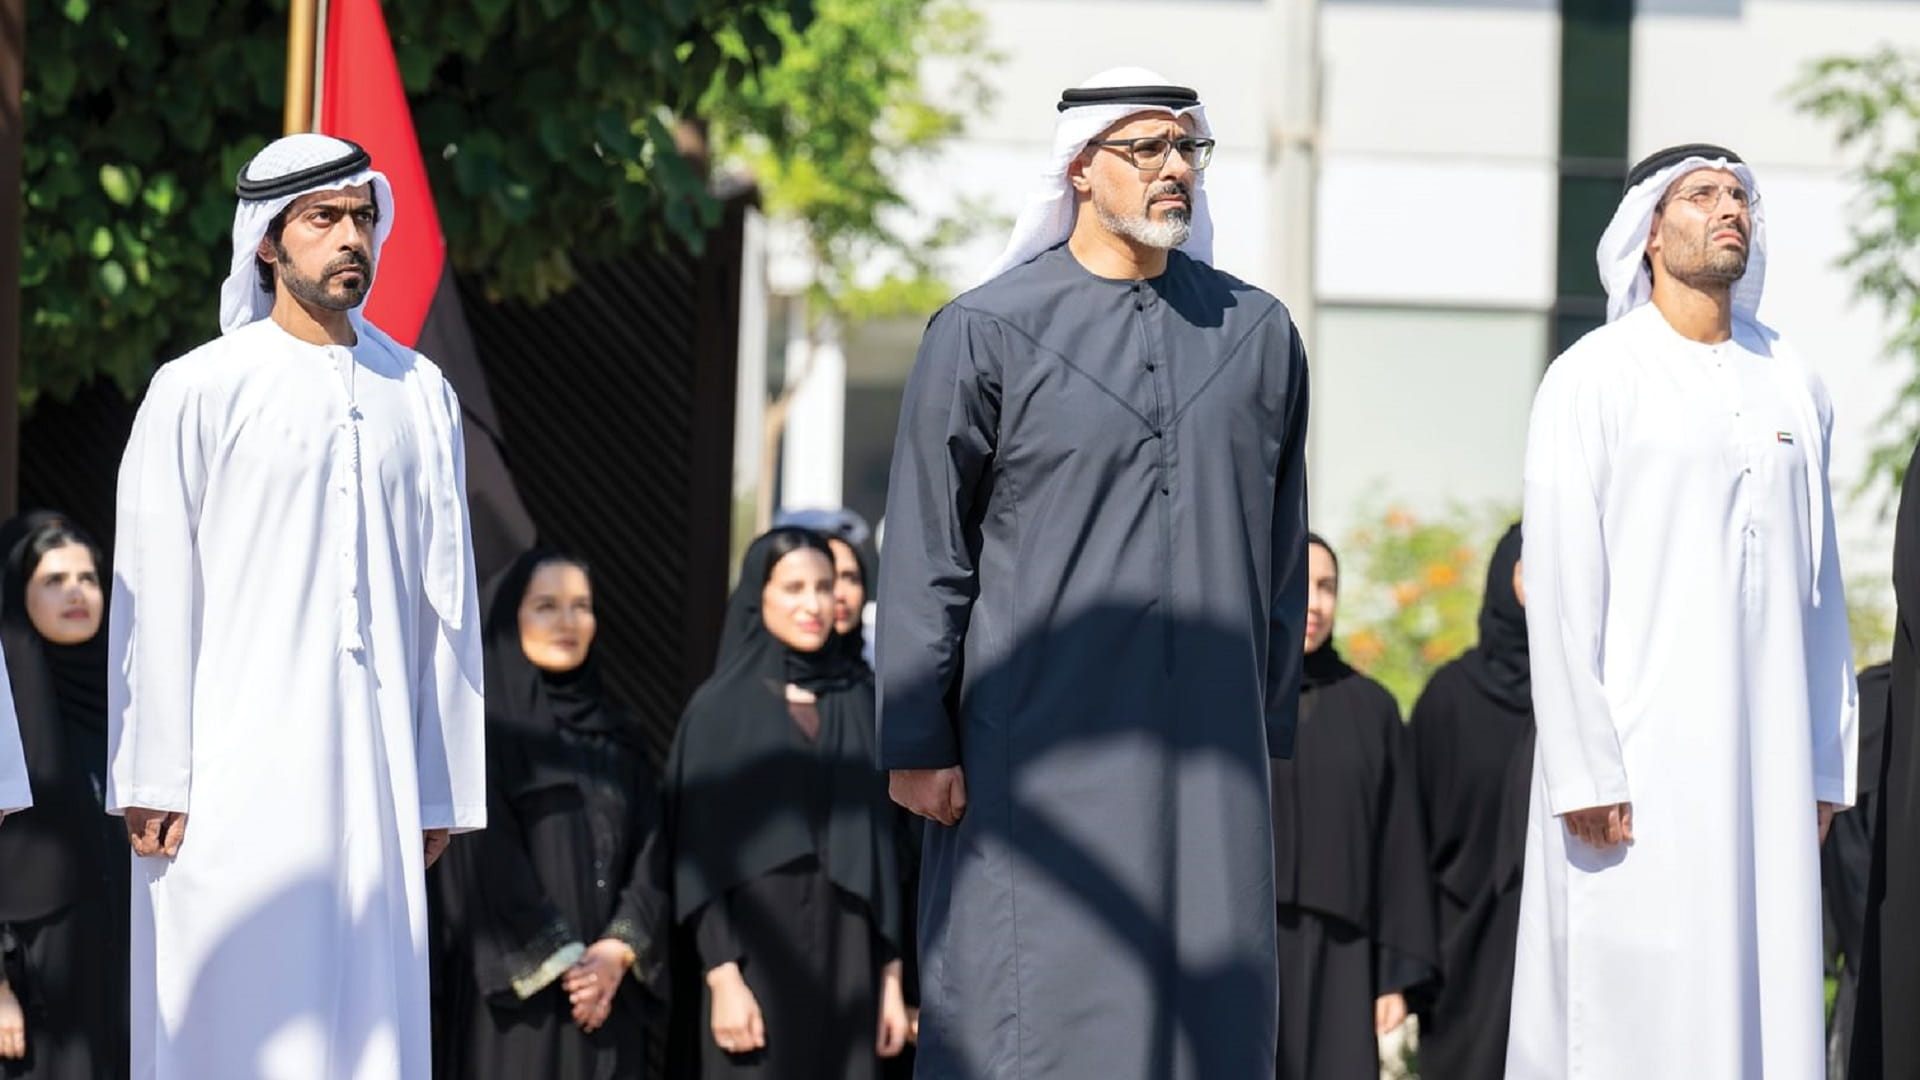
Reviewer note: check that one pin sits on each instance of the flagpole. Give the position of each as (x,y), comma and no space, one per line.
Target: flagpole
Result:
(302,41)
(319,80)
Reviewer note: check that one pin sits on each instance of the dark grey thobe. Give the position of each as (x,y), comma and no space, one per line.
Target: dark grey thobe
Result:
(1093,590)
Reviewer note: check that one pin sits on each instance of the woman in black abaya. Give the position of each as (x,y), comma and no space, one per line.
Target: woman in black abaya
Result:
(63,863)
(552,920)
(784,852)
(1472,737)
(1356,923)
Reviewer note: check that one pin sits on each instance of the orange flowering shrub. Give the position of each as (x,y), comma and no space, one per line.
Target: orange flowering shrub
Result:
(1410,591)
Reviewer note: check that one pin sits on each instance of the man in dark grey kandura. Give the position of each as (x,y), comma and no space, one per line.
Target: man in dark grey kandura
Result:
(1093,596)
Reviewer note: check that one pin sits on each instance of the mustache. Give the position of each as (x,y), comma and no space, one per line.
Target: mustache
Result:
(1170,187)
(1736,226)
(352,260)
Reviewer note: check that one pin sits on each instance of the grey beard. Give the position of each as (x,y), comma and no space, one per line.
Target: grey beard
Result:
(1166,234)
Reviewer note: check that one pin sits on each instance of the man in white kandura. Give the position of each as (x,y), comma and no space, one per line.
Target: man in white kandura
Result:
(1692,684)
(295,656)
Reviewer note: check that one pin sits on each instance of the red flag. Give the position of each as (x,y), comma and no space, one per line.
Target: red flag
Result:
(361,98)
(415,298)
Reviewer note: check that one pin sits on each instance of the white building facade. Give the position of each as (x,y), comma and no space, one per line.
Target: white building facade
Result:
(1424,182)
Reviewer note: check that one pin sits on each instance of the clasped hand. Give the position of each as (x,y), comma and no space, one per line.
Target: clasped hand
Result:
(935,794)
(593,979)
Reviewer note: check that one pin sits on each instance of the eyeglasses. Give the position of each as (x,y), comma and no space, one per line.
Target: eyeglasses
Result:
(1707,196)
(1150,152)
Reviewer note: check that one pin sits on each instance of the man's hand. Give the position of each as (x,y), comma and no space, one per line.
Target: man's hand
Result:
(935,794)
(1827,810)
(436,841)
(1602,827)
(590,983)
(156,832)
(1389,1012)
(895,1024)
(738,1027)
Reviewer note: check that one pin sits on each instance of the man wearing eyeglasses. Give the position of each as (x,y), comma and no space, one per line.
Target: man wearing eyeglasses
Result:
(1092,605)
(1692,683)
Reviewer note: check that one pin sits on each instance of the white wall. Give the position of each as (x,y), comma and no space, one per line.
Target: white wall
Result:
(1435,247)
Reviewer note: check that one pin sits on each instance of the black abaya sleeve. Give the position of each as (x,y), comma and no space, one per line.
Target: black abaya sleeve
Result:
(520,940)
(1406,948)
(644,912)
(1395,972)
(714,933)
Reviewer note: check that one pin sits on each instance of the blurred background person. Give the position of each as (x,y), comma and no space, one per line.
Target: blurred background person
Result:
(552,921)
(1472,740)
(63,864)
(1355,917)
(784,851)
(853,542)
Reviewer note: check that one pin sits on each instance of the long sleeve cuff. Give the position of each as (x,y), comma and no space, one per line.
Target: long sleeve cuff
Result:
(530,966)
(173,800)
(1280,738)
(454,818)
(1396,972)
(554,966)
(649,967)
(1585,792)
(923,744)
(1833,789)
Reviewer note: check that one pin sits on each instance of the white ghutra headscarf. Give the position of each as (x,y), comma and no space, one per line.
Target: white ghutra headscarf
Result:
(1047,219)
(284,170)
(1623,247)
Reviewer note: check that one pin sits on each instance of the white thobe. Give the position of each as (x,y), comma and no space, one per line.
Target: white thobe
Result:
(296,664)
(15,792)
(1690,655)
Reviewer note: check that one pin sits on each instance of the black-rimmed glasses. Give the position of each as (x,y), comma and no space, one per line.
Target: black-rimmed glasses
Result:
(1150,151)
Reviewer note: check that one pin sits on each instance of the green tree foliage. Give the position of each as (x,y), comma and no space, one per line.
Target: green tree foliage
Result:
(830,132)
(1875,102)
(546,125)
(1410,592)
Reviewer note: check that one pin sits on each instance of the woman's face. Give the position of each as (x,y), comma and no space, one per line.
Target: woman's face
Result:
(849,588)
(63,599)
(797,602)
(1323,596)
(556,617)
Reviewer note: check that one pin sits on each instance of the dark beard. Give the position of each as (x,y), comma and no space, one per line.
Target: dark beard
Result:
(317,292)
(1708,267)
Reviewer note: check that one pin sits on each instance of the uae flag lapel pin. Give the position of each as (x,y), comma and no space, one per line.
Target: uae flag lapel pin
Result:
(1784,437)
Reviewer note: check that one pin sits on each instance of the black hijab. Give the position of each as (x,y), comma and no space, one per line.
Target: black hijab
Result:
(1498,664)
(526,705)
(748,793)
(56,851)
(853,645)
(1324,666)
